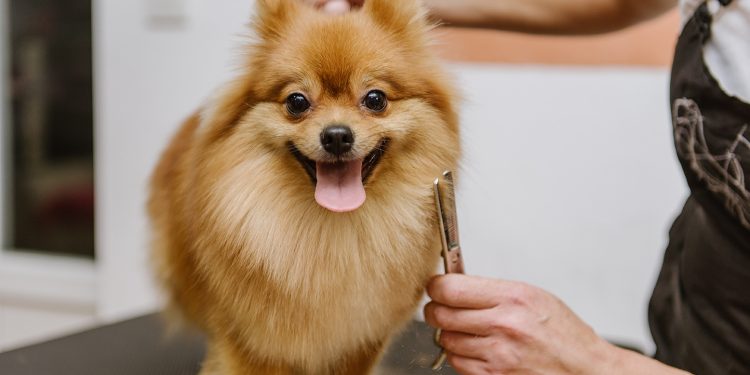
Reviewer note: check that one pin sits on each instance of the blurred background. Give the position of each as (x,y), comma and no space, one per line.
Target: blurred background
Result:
(569,180)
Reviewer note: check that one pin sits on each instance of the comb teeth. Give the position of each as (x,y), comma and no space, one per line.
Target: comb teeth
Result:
(450,219)
(445,202)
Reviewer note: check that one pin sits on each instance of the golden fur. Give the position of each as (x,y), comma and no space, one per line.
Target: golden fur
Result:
(280,284)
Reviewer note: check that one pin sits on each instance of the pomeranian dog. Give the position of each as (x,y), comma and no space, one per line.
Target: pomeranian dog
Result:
(293,215)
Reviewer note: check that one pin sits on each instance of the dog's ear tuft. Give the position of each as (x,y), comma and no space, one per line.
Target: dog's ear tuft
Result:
(398,16)
(273,16)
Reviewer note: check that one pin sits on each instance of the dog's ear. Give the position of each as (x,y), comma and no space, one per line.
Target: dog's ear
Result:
(398,16)
(273,16)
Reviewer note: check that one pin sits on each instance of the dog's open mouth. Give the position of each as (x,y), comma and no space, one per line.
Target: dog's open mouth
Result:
(339,185)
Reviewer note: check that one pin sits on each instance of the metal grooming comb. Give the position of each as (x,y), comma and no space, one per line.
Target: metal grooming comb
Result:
(445,202)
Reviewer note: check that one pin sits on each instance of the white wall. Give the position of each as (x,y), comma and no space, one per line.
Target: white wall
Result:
(148,79)
(569,180)
(570,183)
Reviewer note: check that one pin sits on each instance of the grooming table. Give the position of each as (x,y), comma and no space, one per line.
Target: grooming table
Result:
(141,347)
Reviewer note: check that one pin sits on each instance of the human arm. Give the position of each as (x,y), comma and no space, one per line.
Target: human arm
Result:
(533,16)
(495,326)
(548,16)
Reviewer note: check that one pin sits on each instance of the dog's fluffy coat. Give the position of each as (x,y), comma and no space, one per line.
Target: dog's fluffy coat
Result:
(280,284)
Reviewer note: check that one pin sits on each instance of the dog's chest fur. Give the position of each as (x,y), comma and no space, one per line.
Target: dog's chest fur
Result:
(309,283)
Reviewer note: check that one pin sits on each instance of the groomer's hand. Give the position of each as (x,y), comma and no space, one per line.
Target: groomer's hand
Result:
(335,6)
(502,327)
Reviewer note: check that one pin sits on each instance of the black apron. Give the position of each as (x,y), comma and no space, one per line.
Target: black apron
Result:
(700,308)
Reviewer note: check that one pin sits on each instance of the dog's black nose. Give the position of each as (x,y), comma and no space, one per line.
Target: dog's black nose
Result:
(337,139)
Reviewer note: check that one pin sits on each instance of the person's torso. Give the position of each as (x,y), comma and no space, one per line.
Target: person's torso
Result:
(700,309)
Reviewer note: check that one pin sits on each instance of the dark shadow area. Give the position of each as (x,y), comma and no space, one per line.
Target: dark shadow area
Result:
(51,199)
(141,347)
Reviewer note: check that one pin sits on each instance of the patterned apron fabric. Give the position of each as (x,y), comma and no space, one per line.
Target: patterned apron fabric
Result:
(700,308)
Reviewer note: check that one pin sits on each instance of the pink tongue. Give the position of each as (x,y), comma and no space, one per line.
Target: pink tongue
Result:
(339,187)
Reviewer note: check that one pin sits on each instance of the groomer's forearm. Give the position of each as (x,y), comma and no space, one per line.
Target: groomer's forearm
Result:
(548,16)
(631,363)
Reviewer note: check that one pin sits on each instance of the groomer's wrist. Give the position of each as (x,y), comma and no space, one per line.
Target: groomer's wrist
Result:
(605,359)
(627,362)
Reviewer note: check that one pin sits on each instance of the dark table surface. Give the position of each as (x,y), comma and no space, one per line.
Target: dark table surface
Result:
(141,346)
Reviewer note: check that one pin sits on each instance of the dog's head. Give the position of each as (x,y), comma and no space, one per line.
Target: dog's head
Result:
(352,100)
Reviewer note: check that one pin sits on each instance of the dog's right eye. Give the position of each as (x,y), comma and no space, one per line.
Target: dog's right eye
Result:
(297,104)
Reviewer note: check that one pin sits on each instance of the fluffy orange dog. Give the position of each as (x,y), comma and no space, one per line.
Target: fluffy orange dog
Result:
(293,215)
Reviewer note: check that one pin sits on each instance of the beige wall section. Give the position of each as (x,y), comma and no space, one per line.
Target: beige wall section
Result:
(648,44)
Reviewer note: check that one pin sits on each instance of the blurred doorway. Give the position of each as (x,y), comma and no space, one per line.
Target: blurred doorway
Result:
(50,163)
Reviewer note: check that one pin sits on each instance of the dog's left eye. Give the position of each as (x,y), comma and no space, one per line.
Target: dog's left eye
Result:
(297,104)
(375,101)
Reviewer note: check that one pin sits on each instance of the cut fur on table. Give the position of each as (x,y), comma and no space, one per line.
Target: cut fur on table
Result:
(293,215)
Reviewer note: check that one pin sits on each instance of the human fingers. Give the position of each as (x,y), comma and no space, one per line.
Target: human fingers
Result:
(464,291)
(465,345)
(336,6)
(475,322)
(467,366)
